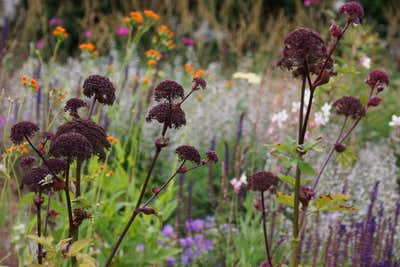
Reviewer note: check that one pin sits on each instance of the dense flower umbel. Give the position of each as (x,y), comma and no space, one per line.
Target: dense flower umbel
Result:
(168,90)
(163,113)
(306,194)
(21,130)
(188,153)
(262,181)
(73,105)
(101,87)
(199,82)
(349,106)
(55,165)
(34,176)
(27,161)
(72,146)
(93,132)
(212,156)
(353,10)
(78,216)
(378,79)
(304,50)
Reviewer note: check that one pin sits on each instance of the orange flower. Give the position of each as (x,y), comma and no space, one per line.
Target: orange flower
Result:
(11,149)
(110,173)
(60,32)
(152,53)
(34,84)
(163,29)
(112,140)
(88,46)
(24,80)
(137,17)
(145,80)
(229,83)
(136,78)
(102,167)
(126,19)
(23,149)
(95,53)
(189,68)
(199,96)
(171,44)
(152,15)
(198,73)
(151,62)
(110,68)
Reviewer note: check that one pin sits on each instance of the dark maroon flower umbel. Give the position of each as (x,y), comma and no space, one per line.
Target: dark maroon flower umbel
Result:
(353,10)
(73,105)
(305,51)
(306,194)
(199,82)
(22,129)
(374,101)
(262,181)
(168,90)
(163,113)
(34,176)
(212,156)
(27,161)
(47,135)
(71,146)
(339,147)
(79,215)
(93,132)
(55,165)
(101,87)
(349,106)
(188,153)
(378,79)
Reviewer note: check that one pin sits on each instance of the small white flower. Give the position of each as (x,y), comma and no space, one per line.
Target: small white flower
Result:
(322,116)
(295,107)
(395,122)
(279,118)
(365,61)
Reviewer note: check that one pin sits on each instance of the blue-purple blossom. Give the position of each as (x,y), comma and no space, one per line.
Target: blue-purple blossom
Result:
(195,225)
(168,231)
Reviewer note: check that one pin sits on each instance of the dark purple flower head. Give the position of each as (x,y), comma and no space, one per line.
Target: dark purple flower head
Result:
(47,135)
(374,101)
(79,215)
(306,194)
(101,87)
(27,161)
(171,262)
(55,165)
(168,90)
(340,147)
(335,30)
(22,129)
(73,105)
(353,10)
(212,156)
(34,177)
(163,113)
(305,51)
(349,106)
(199,82)
(378,79)
(93,132)
(188,153)
(262,181)
(72,146)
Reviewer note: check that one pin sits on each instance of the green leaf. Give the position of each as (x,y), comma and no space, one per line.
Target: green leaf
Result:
(306,168)
(291,180)
(330,199)
(47,242)
(78,246)
(283,198)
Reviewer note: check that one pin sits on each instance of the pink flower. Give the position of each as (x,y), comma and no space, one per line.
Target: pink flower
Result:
(54,21)
(188,41)
(122,31)
(88,34)
(40,44)
(311,2)
(238,182)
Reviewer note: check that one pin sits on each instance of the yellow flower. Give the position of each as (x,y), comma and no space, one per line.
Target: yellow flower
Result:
(60,32)
(136,17)
(152,15)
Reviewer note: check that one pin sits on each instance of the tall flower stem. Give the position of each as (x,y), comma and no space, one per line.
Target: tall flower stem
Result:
(265,229)
(135,212)
(47,213)
(91,108)
(78,191)
(68,199)
(38,203)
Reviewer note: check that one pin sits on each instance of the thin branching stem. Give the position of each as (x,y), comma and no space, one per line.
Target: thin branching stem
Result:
(264,220)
